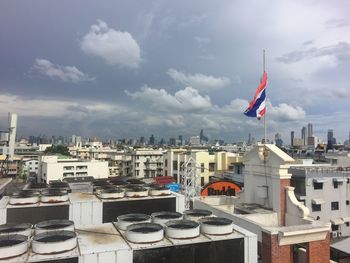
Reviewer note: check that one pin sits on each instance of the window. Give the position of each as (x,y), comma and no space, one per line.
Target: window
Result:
(335,205)
(175,165)
(202,167)
(166,162)
(335,227)
(347,202)
(316,208)
(347,224)
(202,181)
(318,186)
(335,184)
(166,173)
(211,167)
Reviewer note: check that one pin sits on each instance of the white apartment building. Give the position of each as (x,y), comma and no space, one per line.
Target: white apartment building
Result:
(58,168)
(146,163)
(30,166)
(208,164)
(142,162)
(326,192)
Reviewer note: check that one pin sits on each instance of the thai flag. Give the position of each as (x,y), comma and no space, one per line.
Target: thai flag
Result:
(257,107)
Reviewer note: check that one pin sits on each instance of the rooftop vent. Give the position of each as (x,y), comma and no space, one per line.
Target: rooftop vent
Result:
(24,197)
(58,184)
(144,233)
(137,191)
(196,214)
(13,245)
(54,242)
(37,186)
(216,226)
(54,195)
(111,193)
(54,225)
(135,181)
(119,183)
(182,229)
(24,229)
(98,189)
(125,220)
(163,217)
(159,190)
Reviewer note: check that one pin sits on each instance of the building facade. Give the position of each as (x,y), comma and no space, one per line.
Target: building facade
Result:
(58,168)
(326,192)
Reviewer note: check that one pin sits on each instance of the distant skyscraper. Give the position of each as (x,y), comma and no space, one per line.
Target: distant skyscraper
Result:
(202,137)
(172,141)
(303,135)
(151,140)
(310,131)
(278,140)
(330,139)
(180,140)
(291,138)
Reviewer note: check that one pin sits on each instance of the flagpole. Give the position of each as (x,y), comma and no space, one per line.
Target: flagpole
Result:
(265,129)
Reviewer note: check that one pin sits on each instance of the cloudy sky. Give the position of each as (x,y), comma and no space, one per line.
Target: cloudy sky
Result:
(134,68)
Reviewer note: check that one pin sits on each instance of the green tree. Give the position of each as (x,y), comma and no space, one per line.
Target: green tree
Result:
(57,149)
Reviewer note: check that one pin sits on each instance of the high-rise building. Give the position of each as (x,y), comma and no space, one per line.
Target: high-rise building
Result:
(278,140)
(303,135)
(291,138)
(329,135)
(202,137)
(310,131)
(151,140)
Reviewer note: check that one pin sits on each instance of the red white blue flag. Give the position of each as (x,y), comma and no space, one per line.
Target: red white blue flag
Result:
(257,107)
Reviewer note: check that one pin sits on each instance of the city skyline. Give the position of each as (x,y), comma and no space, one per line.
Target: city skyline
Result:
(172,70)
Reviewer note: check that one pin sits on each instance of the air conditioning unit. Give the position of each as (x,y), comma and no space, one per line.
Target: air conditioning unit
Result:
(340,234)
(334,234)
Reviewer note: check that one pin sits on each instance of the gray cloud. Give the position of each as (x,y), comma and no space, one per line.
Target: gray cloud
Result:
(115,47)
(199,81)
(187,100)
(340,50)
(62,73)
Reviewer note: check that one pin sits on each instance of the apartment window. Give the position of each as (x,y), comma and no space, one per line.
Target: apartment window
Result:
(316,208)
(318,186)
(166,173)
(137,173)
(175,165)
(347,224)
(211,167)
(166,162)
(335,227)
(347,202)
(335,205)
(335,184)
(202,167)
(202,181)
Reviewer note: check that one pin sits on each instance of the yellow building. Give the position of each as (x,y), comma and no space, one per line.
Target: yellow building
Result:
(208,163)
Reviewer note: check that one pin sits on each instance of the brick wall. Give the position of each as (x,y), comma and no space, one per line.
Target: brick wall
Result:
(271,252)
(318,251)
(283,209)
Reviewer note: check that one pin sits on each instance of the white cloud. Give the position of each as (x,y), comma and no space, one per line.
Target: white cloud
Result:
(285,112)
(63,73)
(187,99)
(199,81)
(115,47)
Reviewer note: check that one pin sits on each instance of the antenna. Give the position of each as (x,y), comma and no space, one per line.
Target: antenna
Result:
(188,180)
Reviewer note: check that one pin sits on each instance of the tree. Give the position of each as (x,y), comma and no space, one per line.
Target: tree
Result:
(57,149)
